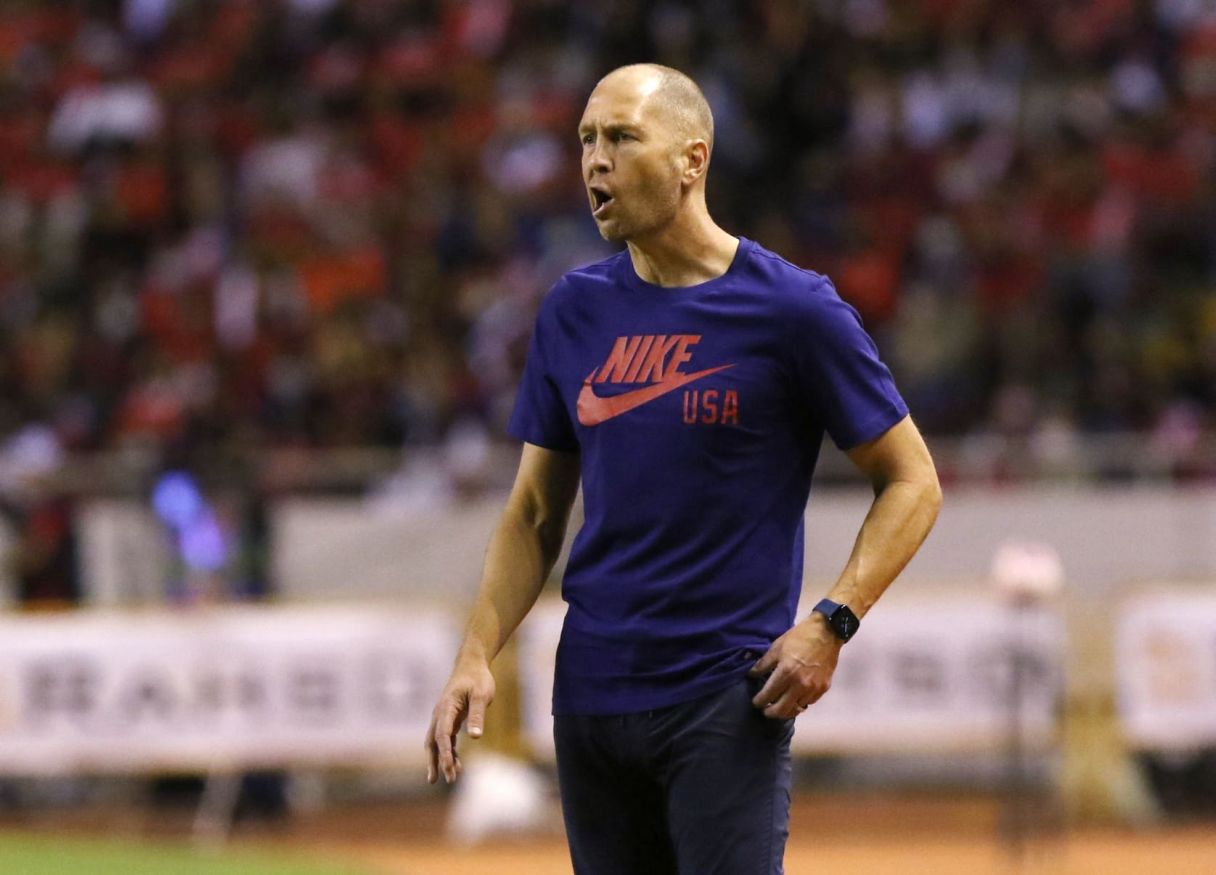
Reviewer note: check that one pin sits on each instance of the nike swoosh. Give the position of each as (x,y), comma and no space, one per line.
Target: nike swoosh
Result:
(593,409)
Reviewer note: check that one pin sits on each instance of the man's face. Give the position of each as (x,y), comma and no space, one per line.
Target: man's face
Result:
(631,159)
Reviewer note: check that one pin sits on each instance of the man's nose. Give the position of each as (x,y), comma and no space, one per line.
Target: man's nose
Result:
(597,159)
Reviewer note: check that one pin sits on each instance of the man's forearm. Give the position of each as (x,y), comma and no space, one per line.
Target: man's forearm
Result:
(518,561)
(900,518)
(523,548)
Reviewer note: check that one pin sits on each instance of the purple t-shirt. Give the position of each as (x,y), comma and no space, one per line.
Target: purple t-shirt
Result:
(698,413)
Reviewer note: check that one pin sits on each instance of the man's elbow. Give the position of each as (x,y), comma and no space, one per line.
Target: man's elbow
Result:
(931,494)
(551,532)
(545,525)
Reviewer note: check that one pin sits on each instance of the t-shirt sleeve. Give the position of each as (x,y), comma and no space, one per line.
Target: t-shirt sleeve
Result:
(539,416)
(838,373)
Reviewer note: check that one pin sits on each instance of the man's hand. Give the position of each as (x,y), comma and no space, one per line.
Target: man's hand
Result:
(799,667)
(469,691)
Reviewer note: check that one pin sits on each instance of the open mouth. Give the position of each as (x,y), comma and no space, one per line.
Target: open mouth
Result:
(600,200)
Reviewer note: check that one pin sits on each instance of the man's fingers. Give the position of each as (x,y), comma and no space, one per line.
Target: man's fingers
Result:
(813,695)
(446,728)
(786,707)
(477,715)
(764,664)
(432,754)
(447,756)
(772,689)
(794,699)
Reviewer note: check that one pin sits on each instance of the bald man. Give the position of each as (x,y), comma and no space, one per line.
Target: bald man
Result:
(687,382)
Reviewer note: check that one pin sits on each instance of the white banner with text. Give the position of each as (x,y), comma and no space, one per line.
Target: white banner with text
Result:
(1165,662)
(219,688)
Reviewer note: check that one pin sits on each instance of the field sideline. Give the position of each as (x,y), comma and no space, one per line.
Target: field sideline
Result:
(41,854)
(861,834)
(858,834)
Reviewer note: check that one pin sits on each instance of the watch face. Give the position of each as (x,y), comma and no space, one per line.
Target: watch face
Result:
(845,621)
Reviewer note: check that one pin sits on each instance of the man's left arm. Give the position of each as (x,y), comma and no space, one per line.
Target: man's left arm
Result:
(907,496)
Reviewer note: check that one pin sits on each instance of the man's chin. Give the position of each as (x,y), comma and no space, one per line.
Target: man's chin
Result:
(610,231)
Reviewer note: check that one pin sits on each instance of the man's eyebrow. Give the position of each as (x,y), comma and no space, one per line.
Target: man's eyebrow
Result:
(610,127)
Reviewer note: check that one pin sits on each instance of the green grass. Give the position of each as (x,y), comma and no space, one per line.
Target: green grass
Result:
(43,855)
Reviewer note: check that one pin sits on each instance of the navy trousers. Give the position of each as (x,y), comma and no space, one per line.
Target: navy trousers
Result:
(699,788)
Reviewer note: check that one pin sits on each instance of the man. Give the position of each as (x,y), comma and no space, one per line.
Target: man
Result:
(688,382)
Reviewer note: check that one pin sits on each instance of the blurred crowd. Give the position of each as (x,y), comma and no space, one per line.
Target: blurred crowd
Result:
(228,224)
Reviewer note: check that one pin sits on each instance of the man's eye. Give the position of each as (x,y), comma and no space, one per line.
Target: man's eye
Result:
(588,139)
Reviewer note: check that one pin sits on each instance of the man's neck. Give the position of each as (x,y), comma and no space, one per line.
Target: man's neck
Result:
(687,252)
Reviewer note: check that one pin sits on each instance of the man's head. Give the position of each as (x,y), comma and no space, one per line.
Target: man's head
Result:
(647,134)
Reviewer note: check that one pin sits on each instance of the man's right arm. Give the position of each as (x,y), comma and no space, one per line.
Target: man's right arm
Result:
(523,549)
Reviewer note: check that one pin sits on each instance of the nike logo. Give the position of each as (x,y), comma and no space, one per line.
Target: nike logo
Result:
(593,409)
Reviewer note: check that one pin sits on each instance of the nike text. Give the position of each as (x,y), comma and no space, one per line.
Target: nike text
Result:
(654,361)
(644,358)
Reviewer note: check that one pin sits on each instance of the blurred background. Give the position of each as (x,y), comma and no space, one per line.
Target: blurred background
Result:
(267,276)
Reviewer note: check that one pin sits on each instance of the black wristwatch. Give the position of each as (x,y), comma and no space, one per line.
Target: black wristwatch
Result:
(841,620)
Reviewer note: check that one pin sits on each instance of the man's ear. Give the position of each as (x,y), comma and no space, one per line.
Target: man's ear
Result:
(696,160)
